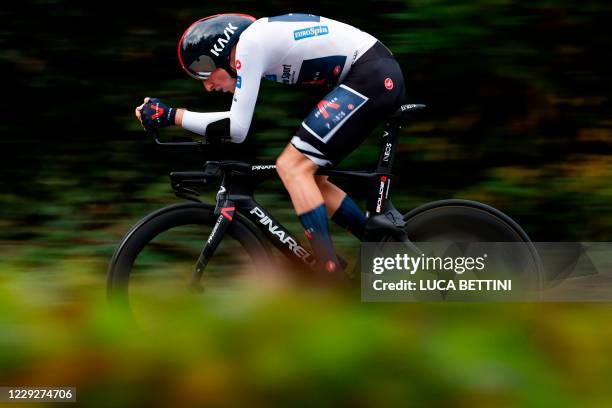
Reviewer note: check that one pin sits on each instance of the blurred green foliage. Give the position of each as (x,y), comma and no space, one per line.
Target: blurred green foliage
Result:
(301,347)
(520,119)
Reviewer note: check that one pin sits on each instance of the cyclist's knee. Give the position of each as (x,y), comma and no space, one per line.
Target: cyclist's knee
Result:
(292,164)
(321,181)
(283,166)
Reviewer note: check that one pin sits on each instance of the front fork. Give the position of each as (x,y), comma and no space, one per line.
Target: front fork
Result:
(224,210)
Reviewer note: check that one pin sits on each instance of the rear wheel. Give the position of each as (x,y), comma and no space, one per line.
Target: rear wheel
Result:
(471,229)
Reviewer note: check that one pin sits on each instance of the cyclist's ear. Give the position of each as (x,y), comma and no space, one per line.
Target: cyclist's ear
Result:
(232,73)
(232,58)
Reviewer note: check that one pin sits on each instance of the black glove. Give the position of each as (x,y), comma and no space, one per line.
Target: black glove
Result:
(155,114)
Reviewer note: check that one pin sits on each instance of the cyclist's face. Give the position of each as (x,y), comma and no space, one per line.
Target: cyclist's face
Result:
(220,80)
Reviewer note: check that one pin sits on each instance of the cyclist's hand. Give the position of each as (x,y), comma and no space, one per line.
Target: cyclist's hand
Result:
(154,114)
(138,110)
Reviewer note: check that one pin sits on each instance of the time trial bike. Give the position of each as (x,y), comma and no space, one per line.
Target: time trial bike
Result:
(237,229)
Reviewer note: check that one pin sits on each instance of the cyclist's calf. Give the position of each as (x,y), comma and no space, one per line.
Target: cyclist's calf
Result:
(297,174)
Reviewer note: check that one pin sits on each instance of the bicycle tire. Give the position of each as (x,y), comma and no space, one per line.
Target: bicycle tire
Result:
(168,218)
(467,221)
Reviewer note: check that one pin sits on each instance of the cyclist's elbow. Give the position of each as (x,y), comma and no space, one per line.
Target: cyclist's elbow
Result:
(238,133)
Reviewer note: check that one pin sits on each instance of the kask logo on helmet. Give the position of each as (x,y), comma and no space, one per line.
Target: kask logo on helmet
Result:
(206,44)
(219,46)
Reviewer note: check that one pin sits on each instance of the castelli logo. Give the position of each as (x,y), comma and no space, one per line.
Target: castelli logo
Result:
(330,266)
(337,70)
(389,83)
(238,64)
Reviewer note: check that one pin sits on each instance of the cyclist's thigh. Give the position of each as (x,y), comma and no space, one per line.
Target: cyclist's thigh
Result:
(348,114)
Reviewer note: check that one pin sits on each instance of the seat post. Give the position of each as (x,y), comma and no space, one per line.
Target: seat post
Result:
(387,147)
(379,190)
(390,136)
(381,183)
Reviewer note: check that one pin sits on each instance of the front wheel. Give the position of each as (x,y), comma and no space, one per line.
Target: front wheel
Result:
(160,252)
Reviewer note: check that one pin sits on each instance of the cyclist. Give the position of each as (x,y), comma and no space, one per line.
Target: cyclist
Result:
(233,52)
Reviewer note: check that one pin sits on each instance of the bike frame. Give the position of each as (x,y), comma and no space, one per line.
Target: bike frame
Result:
(240,180)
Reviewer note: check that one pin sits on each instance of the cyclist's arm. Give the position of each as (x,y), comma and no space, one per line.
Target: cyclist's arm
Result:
(203,123)
(237,120)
